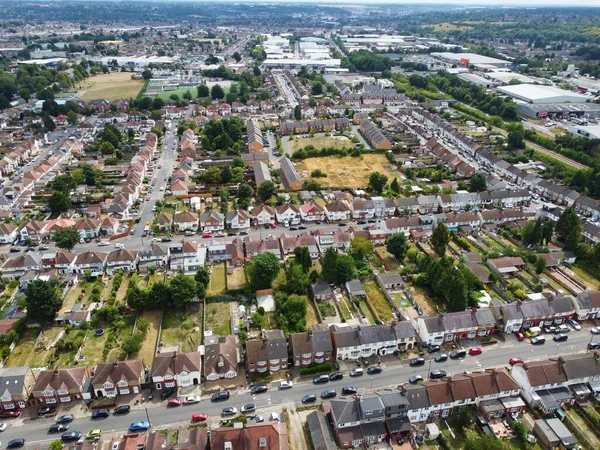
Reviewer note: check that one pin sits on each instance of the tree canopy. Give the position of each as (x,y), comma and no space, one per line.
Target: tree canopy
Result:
(43,301)
(66,238)
(440,237)
(262,270)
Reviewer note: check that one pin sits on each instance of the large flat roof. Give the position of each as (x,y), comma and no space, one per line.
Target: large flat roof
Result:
(472,57)
(541,93)
(560,107)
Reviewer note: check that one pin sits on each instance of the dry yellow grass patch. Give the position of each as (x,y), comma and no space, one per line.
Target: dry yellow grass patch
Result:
(109,86)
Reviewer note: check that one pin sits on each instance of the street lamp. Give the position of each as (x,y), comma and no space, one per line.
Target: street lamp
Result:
(147,416)
(429,370)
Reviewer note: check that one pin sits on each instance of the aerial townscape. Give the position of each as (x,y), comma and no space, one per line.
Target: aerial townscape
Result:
(299,226)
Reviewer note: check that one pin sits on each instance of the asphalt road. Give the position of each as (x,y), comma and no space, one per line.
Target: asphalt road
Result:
(35,430)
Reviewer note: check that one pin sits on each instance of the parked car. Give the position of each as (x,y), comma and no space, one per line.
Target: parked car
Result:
(309,398)
(259,389)
(191,399)
(207,235)
(348,390)
(71,436)
(563,329)
(165,394)
(58,428)
(7,413)
(550,330)
(593,345)
(67,418)
(94,435)
(321,379)
(357,372)
(220,396)
(139,426)
(538,340)
(415,379)
(16,443)
(100,413)
(475,351)
(595,330)
(47,410)
(335,376)
(514,361)
(432,348)
(560,337)
(437,374)
(574,324)
(248,408)
(199,417)
(329,393)
(374,370)
(416,362)
(174,402)
(229,411)
(121,410)
(441,358)
(286,385)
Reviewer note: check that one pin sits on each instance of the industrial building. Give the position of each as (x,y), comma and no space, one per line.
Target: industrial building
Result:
(559,110)
(134,61)
(470,59)
(534,93)
(475,79)
(315,65)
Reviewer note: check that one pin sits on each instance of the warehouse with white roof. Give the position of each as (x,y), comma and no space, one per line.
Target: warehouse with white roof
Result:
(471,58)
(533,93)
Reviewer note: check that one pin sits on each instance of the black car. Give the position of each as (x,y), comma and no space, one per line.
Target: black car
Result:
(67,418)
(348,390)
(58,428)
(310,398)
(342,224)
(361,222)
(167,393)
(321,379)
(415,379)
(302,227)
(16,443)
(433,348)
(335,376)
(293,229)
(560,337)
(372,221)
(416,362)
(220,396)
(259,389)
(101,413)
(374,370)
(42,248)
(14,250)
(166,239)
(231,234)
(46,410)
(594,345)
(243,233)
(437,374)
(121,410)
(71,436)
(329,393)
(441,358)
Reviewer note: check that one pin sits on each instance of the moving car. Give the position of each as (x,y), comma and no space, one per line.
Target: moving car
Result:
(560,337)
(309,398)
(191,399)
(437,374)
(70,436)
(94,434)
(415,379)
(374,370)
(229,411)
(139,426)
(329,393)
(259,389)
(101,413)
(248,408)
(220,396)
(67,418)
(417,362)
(538,340)
(441,358)
(174,402)
(357,372)
(199,417)
(121,410)
(286,385)
(16,443)
(321,379)
(475,351)
(335,376)
(58,428)
(514,361)
(348,390)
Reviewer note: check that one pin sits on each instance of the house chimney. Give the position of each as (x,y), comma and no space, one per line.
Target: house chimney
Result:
(310,332)
(394,323)
(519,302)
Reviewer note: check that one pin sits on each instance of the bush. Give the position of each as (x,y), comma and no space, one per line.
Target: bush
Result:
(327,309)
(325,367)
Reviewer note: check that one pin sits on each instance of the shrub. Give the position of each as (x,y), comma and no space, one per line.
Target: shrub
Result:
(325,367)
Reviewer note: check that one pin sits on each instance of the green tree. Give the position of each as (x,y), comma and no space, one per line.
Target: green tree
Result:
(296,280)
(202,276)
(317,89)
(187,95)
(217,92)
(547,231)
(377,182)
(440,237)
(59,202)
(298,112)
(106,148)
(158,103)
(478,183)
(48,122)
(329,265)
(66,238)
(397,245)
(133,344)
(57,444)
(266,190)
(361,248)
(540,264)
(263,269)
(569,228)
(226,174)
(43,301)
(345,269)
(395,185)
(244,195)
(515,140)
(71,117)
(303,258)
(291,314)
(237,57)
(136,298)
(203,91)
(183,290)
(257,320)
(463,419)
(147,74)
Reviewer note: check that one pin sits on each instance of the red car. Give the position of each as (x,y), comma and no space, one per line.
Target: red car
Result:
(206,235)
(174,402)
(199,417)
(520,336)
(475,351)
(273,225)
(10,413)
(513,361)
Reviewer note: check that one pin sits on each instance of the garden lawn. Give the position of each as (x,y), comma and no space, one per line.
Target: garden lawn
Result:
(218,318)
(93,347)
(237,279)
(122,290)
(148,350)
(311,313)
(218,283)
(122,334)
(319,142)
(387,257)
(345,307)
(19,357)
(584,276)
(178,328)
(379,302)
(165,95)
(72,297)
(42,352)
(366,311)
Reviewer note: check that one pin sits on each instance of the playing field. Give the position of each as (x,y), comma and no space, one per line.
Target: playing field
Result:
(109,86)
(347,172)
(165,95)
(322,142)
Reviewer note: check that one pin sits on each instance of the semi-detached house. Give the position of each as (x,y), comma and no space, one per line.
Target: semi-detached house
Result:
(311,347)
(365,341)
(60,385)
(176,370)
(112,379)
(457,325)
(270,353)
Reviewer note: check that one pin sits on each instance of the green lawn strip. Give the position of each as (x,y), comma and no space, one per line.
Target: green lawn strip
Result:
(378,301)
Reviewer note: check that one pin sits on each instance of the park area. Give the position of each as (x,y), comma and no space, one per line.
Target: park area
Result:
(346,172)
(109,86)
(319,142)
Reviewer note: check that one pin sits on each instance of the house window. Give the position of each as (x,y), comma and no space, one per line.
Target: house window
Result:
(158,386)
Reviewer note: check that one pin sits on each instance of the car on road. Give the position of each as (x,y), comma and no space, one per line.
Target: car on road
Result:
(475,351)
(220,396)
(328,393)
(66,418)
(349,390)
(101,413)
(374,370)
(293,229)
(47,410)
(321,379)
(207,235)
(14,250)
(538,340)
(593,345)
(139,426)
(432,348)
(231,234)
(560,337)
(220,235)
(416,362)
(335,376)
(302,227)
(199,417)
(174,402)
(15,443)
(42,248)
(70,436)
(286,385)
(3,427)
(259,389)
(121,410)
(574,324)
(256,419)
(441,358)
(166,239)
(7,413)
(437,374)
(550,330)
(243,233)
(58,428)
(248,408)
(309,398)
(595,330)
(357,372)
(342,224)
(191,400)
(514,361)
(229,411)
(93,434)
(415,379)
(563,329)
(167,393)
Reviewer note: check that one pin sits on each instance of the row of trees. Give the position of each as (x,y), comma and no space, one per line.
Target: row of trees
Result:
(176,293)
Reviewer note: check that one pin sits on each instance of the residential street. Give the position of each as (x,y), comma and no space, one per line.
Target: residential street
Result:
(394,373)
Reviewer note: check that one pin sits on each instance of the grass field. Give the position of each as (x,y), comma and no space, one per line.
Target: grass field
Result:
(179,329)
(20,355)
(322,142)
(42,352)
(217,284)
(165,95)
(148,350)
(447,26)
(311,314)
(366,311)
(110,86)
(92,348)
(237,279)
(378,301)
(346,172)
(218,318)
